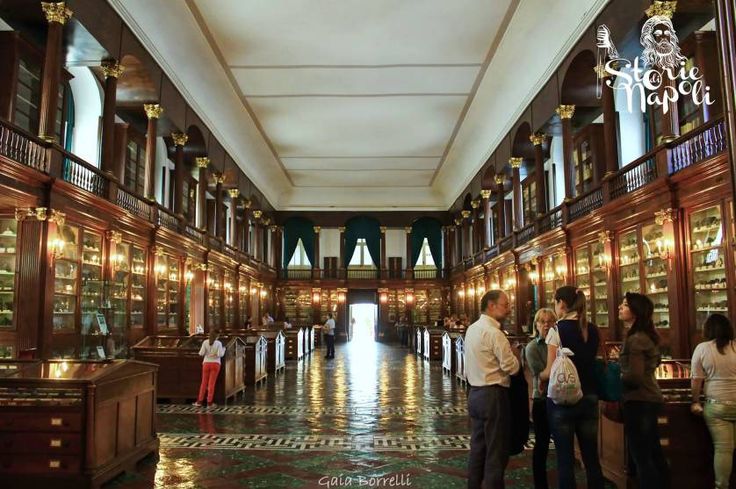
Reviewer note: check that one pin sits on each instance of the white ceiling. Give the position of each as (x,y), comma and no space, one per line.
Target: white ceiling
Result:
(358,105)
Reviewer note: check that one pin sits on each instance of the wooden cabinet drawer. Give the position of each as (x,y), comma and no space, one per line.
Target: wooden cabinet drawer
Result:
(39,464)
(65,443)
(64,422)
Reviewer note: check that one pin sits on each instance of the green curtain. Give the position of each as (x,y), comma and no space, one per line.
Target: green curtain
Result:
(296,228)
(367,228)
(430,228)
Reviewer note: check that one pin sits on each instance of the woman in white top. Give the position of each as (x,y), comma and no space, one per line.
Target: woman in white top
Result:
(714,364)
(287,323)
(212,350)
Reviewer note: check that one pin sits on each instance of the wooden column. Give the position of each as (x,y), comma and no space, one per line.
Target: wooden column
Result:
(446,249)
(610,121)
(566,112)
(256,235)
(56,15)
(234,194)
(153,112)
(219,207)
(202,180)
(382,272)
(180,140)
(342,252)
(120,152)
(500,208)
(278,242)
(541,182)
(515,163)
(458,240)
(315,265)
(474,227)
(726,23)
(409,264)
(466,245)
(485,196)
(112,71)
(245,246)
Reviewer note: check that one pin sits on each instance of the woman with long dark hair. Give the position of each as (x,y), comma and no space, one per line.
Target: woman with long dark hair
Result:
(642,398)
(574,332)
(714,364)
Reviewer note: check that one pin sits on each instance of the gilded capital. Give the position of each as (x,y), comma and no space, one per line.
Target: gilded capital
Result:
(485,194)
(153,111)
(233,193)
(475,203)
(112,69)
(202,161)
(219,178)
(56,217)
(663,9)
(499,180)
(317,229)
(565,111)
(465,213)
(56,12)
(257,214)
(515,162)
(180,139)
(604,237)
(341,229)
(383,229)
(247,203)
(665,216)
(537,139)
(458,221)
(115,237)
(407,229)
(266,221)
(600,71)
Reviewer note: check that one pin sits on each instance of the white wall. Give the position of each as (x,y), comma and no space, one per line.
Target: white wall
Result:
(556,153)
(631,128)
(329,243)
(396,244)
(162,161)
(87,114)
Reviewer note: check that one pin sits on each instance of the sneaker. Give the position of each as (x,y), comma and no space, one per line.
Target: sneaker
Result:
(197,404)
(213,405)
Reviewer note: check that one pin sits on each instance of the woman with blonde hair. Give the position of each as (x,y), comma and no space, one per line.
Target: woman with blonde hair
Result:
(535,355)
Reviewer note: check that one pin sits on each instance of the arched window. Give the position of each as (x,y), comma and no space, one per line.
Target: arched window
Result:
(299,258)
(425,260)
(361,257)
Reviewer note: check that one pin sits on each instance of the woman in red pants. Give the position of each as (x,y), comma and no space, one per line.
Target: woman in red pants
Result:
(212,350)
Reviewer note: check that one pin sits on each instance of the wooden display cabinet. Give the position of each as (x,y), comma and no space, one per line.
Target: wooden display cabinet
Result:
(553,276)
(230,300)
(275,343)
(449,358)
(214,297)
(587,157)
(460,374)
(126,294)
(180,366)
(294,343)
(591,276)
(75,424)
(8,270)
(433,344)
(168,294)
(256,352)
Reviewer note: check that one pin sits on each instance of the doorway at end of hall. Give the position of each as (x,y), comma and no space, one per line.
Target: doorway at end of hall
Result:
(362,322)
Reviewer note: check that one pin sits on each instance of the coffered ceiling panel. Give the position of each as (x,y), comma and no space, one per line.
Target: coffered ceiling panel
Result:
(361,178)
(348,163)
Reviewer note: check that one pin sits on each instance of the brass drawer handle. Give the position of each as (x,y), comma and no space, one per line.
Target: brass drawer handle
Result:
(54,464)
(55,443)
(57,421)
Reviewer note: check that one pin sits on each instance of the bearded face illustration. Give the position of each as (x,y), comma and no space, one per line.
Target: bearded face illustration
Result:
(660,43)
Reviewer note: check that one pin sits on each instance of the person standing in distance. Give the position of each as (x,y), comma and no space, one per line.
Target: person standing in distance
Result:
(489,363)
(329,329)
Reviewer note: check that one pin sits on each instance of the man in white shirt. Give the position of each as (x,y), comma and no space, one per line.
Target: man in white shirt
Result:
(489,361)
(329,331)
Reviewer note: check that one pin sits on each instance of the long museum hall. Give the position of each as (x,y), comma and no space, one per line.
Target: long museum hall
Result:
(315,243)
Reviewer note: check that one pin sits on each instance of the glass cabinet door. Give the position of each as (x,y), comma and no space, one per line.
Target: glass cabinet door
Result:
(66,280)
(162,287)
(582,276)
(174,301)
(91,283)
(628,256)
(119,286)
(229,300)
(137,287)
(655,274)
(599,313)
(8,246)
(548,281)
(708,263)
(214,297)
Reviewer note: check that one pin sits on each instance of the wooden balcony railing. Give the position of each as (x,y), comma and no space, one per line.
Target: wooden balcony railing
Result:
(427,274)
(22,147)
(296,274)
(83,175)
(167,219)
(525,234)
(506,243)
(196,234)
(134,204)
(551,220)
(633,176)
(697,145)
(585,204)
(362,274)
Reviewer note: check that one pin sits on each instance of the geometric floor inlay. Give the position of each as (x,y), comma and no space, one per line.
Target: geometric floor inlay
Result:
(295,411)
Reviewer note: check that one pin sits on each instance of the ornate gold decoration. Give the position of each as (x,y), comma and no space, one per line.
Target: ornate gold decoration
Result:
(257,214)
(158,251)
(247,203)
(565,111)
(537,139)
(317,229)
(274,228)
(475,203)
(341,229)
(266,221)
(664,9)
(485,194)
(218,178)
(383,229)
(56,12)
(203,267)
(112,69)
(59,218)
(465,213)
(605,237)
(407,229)
(233,193)
(202,161)
(665,216)
(180,139)
(22,213)
(515,162)
(600,71)
(115,237)
(153,111)
(499,180)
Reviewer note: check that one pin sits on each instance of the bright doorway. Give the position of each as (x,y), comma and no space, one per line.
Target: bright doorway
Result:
(362,321)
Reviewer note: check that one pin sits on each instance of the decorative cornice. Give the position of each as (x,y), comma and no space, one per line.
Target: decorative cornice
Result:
(485,194)
(605,237)
(663,9)
(515,162)
(115,237)
(537,139)
(665,216)
(233,193)
(180,139)
(153,111)
(565,111)
(23,213)
(59,218)
(112,69)
(202,161)
(56,12)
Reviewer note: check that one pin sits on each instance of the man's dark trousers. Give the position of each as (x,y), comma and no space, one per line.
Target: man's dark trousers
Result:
(490,416)
(330,340)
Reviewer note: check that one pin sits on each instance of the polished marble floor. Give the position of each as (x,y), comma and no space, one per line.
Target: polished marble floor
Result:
(374,413)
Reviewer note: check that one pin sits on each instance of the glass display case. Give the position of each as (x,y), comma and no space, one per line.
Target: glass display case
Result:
(655,273)
(244,297)
(421,307)
(119,286)
(230,300)
(592,278)
(214,297)
(92,289)
(8,247)
(582,275)
(554,271)
(66,280)
(708,263)
(507,281)
(328,303)
(167,293)
(137,287)
(629,263)
(434,297)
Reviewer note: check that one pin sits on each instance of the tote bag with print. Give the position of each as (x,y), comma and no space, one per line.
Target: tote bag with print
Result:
(564,382)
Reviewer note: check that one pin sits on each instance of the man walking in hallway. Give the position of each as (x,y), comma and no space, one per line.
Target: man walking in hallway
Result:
(490,361)
(329,330)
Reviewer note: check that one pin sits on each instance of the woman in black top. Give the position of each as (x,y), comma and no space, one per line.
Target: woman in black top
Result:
(573,331)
